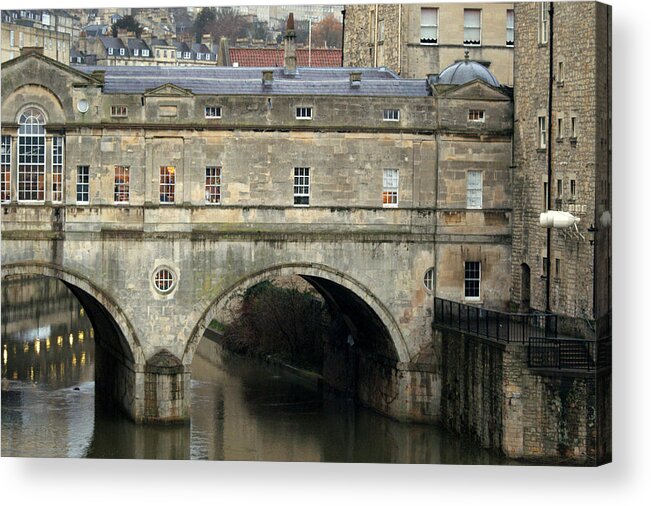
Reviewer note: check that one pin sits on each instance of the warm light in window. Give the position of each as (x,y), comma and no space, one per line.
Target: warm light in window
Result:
(71,339)
(26,348)
(4,356)
(80,336)
(31,374)
(47,343)
(82,359)
(37,346)
(74,360)
(59,341)
(81,311)
(92,332)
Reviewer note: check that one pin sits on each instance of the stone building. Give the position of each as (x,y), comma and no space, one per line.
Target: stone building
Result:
(54,31)
(416,40)
(564,163)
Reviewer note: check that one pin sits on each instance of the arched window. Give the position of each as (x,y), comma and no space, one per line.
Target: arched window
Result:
(31,156)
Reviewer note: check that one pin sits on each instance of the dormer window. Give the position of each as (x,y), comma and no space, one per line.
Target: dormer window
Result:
(135,52)
(145,52)
(110,51)
(186,55)
(213,111)
(121,51)
(476,115)
(178,54)
(119,111)
(303,113)
(392,115)
(199,56)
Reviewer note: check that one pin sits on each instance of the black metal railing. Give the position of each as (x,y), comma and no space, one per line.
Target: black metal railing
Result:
(565,353)
(507,327)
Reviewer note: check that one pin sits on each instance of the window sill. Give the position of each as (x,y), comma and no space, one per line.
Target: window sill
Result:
(559,140)
(541,150)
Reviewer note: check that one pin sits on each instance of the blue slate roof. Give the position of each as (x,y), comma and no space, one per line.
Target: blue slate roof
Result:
(248,81)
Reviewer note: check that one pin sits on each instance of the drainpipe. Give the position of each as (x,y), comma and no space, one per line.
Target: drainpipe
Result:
(343,33)
(550,171)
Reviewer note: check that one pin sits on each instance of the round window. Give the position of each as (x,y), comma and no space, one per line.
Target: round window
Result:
(82,105)
(164,280)
(428,279)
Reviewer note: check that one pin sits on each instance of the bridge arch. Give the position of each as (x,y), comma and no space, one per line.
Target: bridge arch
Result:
(333,285)
(100,307)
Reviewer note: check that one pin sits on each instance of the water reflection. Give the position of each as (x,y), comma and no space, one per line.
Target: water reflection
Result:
(241,410)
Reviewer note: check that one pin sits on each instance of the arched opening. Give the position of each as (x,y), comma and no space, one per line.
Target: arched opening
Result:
(525,287)
(363,345)
(68,334)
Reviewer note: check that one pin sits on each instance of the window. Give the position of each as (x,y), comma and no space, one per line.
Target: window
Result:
(158,53)
(301,186)
(213,185)
(164,280)
(543,22)
(213,111)
(573,127)
(121,188)
(303,113)
(164,53)
(121,51)
(544,267)
(390,188)
(136,52)
(12,38)
(57,169)
(199,55)
(560,77)
(429,26)
(21,39)
(559,188)
(31,156)
(510,27)
(428,279)
(542,132)
(5,169)
(472,27)
(572,188)
(474,189)
(82,184)
(380,30)
(178,54)
(559,125)
(371,24)
(392,115)
(145,52)
(476,115)
(545,196)
(207,56)
(186,55)
(119,111)
(557,271)
(167,181)
(110,50)
(472,279)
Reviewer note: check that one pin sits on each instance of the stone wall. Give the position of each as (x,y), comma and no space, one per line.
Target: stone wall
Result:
(490,394)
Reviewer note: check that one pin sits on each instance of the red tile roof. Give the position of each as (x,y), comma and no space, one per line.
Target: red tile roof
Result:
(263,57)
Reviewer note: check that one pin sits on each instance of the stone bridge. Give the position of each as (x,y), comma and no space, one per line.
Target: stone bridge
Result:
(151,281)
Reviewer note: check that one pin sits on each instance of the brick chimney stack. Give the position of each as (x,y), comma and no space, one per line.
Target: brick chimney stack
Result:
(290,47)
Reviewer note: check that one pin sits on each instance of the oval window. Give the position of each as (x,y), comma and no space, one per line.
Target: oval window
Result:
(164,280)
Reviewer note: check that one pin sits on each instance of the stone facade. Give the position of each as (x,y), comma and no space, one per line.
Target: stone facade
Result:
(390,35)
(580,160)
(54,34)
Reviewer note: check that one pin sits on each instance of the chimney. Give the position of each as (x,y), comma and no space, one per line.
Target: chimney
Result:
(290,47)
(206,40)
(267,78)
(355,79)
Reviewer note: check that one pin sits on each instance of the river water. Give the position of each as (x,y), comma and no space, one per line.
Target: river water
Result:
(241,409)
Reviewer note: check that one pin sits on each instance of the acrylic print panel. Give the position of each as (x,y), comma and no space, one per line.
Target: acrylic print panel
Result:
(218,244)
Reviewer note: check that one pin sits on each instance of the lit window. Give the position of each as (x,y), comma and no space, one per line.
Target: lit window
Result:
(472,27)
(474,189)
(510,27)
(542,22)
(301,186)
(57,169)
(472,280)
(213,185)
(428,279)
(119,111)
(476,115)
(121,188)
(167,180)
(542,132)
(164,280)
(5,169)
(429,26)
(83,184)
(213,111)
(392,115)
(31,156)
(390,188)
(303,113)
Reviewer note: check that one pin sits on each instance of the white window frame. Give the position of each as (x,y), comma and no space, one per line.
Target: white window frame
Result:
(121,51)
(31,156)
(391,115)
(466,26)
(390,187)
(213,112)
(542,132)
(167,184)
(474,189)
(83,185)
(304,113)
(428,279)
(510,27)
(467,280)
(187,55)
(476,115)
(213,185)
(119,111)
(425,41)
(302,186)
(145,52)
(110,51)
(58,153)
(543,22)
(122,184)
(178,55)
(136,52)
(5,169)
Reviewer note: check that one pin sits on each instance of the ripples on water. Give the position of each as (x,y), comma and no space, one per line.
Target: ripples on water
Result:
(240,410)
